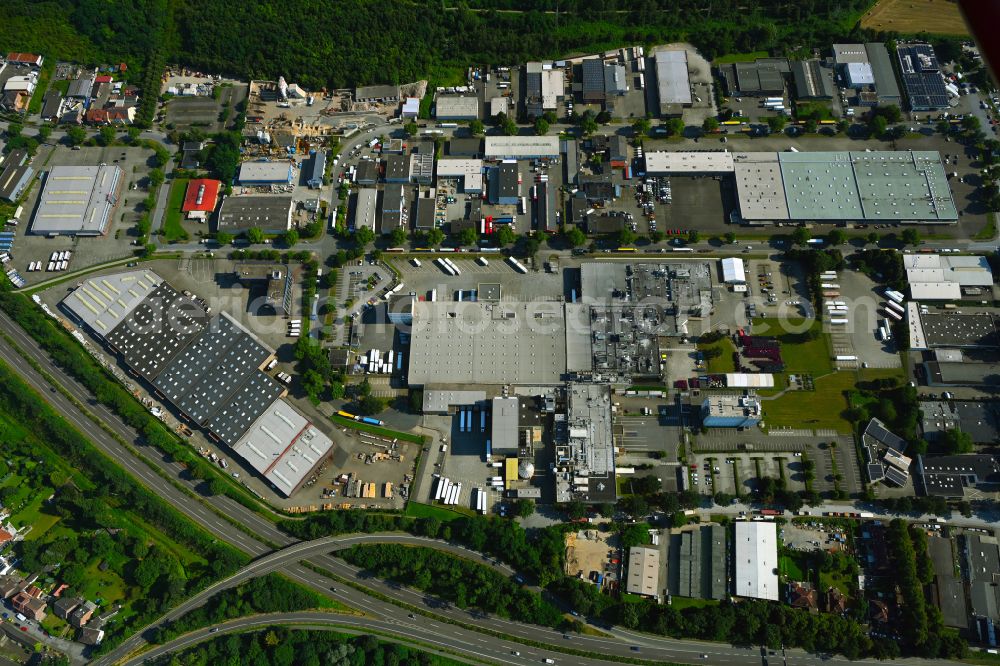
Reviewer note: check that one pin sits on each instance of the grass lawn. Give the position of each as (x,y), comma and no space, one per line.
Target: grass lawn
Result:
(837,580)
(172,228)
(105,585)
(377,430)
(54,625)
(740,57)
(801,354)
(989,231)
(35,105)
(724,362)
(417,510)
(680,603)
(790,568)
(822,408)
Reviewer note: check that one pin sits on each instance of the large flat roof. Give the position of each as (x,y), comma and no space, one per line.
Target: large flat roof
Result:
(760,188)
(271,213)
(643,571)
(903,185)
(283,446)
(757,560)
(487,343)
(265,172)
(820,186)
(521,147)
(77,200)
(156,329)
(456,106)
(672,80)
(469,170)
(207,372)
(680,162)
(503,425)
(365,208)
(244,405)
(104,302)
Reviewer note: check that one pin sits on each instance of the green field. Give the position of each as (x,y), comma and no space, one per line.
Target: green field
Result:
(822,408)
(804,349)
(416,510)
(173,230)
(378,430)
(723,363)
(790,568)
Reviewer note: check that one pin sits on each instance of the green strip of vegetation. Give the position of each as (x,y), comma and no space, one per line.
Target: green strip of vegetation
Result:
(166,574)
(35,105)
(458,580)
(68,354)
(418,510)
(173,230)
(378,430)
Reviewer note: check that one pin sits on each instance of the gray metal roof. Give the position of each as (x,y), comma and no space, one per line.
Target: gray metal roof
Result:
(102,303)
(487,343)
(156,329)
(397,168)
(672,77)
(270,213)
(593,77)
(503,425)
(244,406)
(456,106)
(885,77)
(201,378)
(77,200)
(283,446)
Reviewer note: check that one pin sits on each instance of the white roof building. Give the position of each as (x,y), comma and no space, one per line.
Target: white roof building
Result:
(757,560)
(643,571)
(860,74)
(936,277)
(733,271)
(672,79)
(470,171)
(411,108)
(521,147)
(663,162)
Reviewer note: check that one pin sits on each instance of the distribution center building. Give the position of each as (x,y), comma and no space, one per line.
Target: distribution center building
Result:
(757,560)
(78,201)
(272,214)
(266,173)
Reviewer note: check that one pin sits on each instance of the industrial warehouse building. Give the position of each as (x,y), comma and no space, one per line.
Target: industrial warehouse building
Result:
(469,171)
(877,186)
(521,147)
(643,571)
(272,214)
(757,560)
(15,174)
(266,173)
(208,367)
(935,277)
(78,200)
(921,76)
(365,208)
(868,67)
(456,107)
(491,343)
(545,85)
(673,82)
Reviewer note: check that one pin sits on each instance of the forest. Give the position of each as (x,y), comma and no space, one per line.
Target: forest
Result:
(282,647)
(345,43)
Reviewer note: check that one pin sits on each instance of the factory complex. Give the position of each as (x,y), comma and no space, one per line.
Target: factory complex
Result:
(866,186)
(209,367)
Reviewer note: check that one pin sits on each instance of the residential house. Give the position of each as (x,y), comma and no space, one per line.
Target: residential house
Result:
(82,614)
(835,601)
(111,116)
(803,595)
(64,607)
(29,605)
(90,636)
(878,611)
(10,585)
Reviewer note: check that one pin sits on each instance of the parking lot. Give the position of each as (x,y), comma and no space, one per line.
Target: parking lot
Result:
(87,251)
(204,113)
(858,337)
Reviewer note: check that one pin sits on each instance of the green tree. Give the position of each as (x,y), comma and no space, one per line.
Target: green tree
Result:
(476,127)
(730,237)
(505,235)
(290,237)
(801,236)
(693,236)
(836,237)
(524,507)
(878,125)
(910,236)
(656,236)
(810,126)
(149,250)
(398,236)
(576,510)
(541,126)
(641,127)
(588,124)
(411,129)
(843,126)
(14,130)
(625,237)
(106,135)
(575,237)
(710,125)
(44,132)
(76,135)
(363,236)
(776,123)
(434,237)
(222,238)
(675,127)
(468,236)
(255,235)
(156,177)
(873,238)
(955,441)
